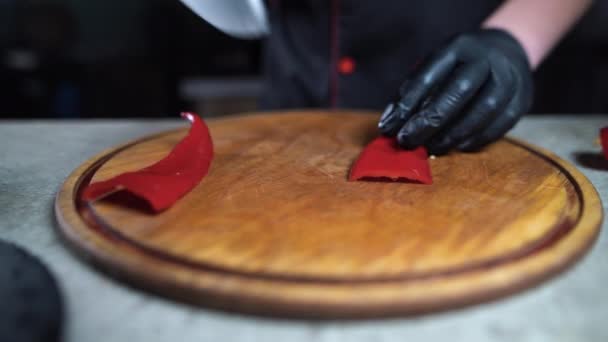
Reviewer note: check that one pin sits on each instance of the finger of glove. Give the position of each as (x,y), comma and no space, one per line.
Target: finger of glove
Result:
(455,95)
(504,121)
(415,90)
(495,95)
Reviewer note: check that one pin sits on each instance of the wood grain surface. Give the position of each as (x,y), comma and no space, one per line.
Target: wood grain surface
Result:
(276,228)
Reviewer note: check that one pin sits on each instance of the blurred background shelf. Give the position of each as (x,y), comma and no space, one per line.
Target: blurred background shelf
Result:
(72,58)
(221,96)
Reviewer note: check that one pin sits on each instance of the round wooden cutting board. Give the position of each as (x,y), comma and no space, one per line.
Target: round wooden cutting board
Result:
(276,228)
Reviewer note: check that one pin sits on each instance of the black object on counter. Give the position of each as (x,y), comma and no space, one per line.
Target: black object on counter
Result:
(31,307)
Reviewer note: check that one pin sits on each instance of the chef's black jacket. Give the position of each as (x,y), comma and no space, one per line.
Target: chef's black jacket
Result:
(355,53)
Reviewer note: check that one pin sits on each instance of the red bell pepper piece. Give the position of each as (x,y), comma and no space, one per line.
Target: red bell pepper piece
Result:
(383,158)
(164,182)
(604,139)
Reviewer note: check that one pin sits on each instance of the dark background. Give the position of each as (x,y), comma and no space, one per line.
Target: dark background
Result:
(154,58)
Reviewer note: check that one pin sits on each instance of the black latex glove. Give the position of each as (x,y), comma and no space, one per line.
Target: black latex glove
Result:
(469,94)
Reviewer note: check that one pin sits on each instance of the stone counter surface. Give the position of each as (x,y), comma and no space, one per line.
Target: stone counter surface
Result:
(36,156)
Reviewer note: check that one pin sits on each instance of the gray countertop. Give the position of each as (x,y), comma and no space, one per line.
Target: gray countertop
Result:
(36,156)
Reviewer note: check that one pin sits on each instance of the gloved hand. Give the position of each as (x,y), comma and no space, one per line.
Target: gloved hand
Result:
(469,94)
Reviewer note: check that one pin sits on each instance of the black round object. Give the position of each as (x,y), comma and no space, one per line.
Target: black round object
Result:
(31,308)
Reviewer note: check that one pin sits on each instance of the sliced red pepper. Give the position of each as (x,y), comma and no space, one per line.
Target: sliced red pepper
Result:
(604,139)
(166,181)
(383,159)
